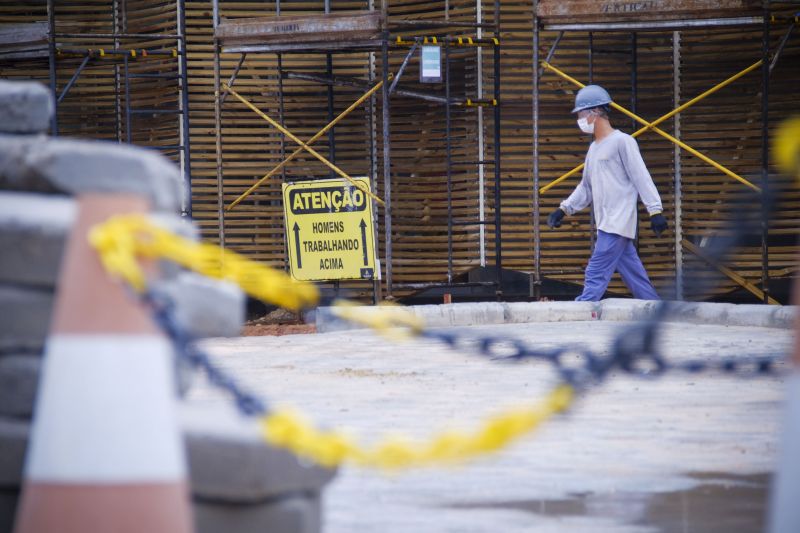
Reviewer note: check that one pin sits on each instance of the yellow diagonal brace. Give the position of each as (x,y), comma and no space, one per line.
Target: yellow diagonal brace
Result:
(652,125)
(696,250)
(310,150)
(319,134)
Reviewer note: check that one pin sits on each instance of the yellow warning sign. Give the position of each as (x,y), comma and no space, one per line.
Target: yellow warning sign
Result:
(329,230)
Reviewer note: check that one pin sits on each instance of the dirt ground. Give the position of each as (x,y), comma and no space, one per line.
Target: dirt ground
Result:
(277,323)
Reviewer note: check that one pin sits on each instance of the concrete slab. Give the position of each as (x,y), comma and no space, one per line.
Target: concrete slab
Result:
(633,455)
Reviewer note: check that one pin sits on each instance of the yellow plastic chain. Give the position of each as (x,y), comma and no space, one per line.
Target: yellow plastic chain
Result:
(121,239)
(331,448)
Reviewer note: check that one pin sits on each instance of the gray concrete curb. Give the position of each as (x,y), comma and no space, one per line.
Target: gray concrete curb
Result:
(614,309)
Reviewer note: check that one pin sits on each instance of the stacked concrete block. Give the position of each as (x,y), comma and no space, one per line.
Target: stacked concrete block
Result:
(240,485)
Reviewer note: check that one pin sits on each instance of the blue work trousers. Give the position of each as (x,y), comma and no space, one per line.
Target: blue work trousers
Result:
(615,253)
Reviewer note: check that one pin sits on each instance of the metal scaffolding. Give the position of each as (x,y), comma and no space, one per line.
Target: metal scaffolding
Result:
(765,64)
(390,40)
(122,53)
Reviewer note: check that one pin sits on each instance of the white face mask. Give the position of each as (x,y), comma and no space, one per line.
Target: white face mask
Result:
(583,124)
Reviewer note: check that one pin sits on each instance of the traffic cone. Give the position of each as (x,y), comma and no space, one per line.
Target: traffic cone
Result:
(105,453)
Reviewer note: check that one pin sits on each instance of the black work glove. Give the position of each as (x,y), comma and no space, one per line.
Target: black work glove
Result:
(658,224)
(554,220)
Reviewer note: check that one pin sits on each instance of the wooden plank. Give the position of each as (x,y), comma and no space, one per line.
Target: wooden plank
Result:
(585,11)
(335,28)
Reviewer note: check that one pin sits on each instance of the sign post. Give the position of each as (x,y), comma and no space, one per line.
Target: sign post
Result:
(329,230)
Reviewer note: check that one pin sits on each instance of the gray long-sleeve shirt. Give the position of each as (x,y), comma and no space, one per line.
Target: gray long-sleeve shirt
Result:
(613,177)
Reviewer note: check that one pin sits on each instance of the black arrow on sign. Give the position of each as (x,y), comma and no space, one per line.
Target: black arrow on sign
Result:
(296,230)
(363,227)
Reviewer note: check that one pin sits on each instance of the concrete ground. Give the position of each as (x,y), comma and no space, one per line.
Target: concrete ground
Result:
(680,453)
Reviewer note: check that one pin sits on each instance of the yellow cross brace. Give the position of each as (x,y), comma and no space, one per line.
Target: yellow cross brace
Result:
(653,126)
(696,250)
(303,145)
(319,134)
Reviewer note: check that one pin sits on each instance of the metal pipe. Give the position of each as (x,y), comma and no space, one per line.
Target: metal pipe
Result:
(281,112)
(387,156)
(592,221)
(128,113)
(218,128)
(454,41)
(779,50)
(497,187)
(233,77)
(537,234)
(331,132)
(765,69)
(551,52)
(481,140)
(117,84)
(51,44)
(142,52)
(118,35)
(186,159)
(676,157)
(634,102)
(423,24)
(402,68)
(449,167)
(73,79)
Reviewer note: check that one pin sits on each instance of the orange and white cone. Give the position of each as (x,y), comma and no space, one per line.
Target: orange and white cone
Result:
(105,452)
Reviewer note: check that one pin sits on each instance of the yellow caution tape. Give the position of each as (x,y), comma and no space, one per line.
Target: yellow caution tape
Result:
(122,238)
(289,430)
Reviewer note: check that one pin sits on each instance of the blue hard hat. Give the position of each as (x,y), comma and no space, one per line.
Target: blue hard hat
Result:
(591,96)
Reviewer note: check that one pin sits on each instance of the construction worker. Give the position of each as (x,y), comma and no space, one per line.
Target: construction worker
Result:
(614,176)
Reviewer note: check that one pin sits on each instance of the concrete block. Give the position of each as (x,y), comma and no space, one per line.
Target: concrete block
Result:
(13,441)
(784,317)
(522,312)
(33,231)
(230,463)
(19,379)
(24,318)
(295,514)
(66,166)
(621,309)
(26,107)
(205,307)
(460,314)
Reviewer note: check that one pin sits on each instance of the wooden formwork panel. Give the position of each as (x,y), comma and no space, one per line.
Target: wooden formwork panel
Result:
(726,127)
(641,10)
